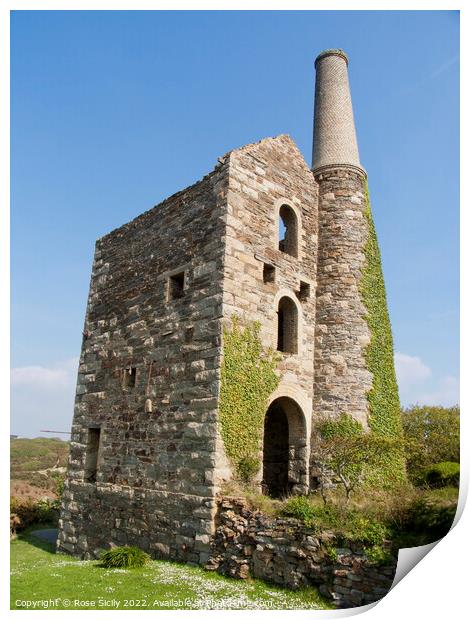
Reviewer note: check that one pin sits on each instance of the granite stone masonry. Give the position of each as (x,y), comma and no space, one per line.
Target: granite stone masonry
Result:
(262,237)
(341,376)
(248,543)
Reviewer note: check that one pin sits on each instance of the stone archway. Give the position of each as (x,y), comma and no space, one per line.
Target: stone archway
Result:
(284,449)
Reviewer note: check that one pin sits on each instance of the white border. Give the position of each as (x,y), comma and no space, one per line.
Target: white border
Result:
(438,586)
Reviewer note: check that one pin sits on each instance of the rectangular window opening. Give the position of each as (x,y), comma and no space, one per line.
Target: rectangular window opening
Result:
(130,375)
(269,273)
(280,331)
(304,291)
(92,451)
(176,286)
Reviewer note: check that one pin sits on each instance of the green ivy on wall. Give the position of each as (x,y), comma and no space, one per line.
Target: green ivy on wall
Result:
(248,377)
(384,403)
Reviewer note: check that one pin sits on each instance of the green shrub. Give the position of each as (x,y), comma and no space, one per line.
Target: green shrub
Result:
(59,482)
(350,453)
(421,516)
(30,512)
(365,529)
(432,435)
(442,474)
(348,525)
(377,554)
(300,508)
(331,553)
(124,557)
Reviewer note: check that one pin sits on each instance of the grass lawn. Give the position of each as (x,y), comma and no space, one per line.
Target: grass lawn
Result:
(40,578)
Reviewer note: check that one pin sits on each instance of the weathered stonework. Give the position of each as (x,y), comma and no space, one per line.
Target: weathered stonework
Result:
(341,376)
(283,551)
(155,473)
(262,177)
(147,457)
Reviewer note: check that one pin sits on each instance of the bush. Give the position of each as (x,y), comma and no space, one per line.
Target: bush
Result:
(300,508)
(432,435)
(124,557)
(15,523)
(429,521)
(442,475)
(378,555)
(28,512)
(59,483)
(349,456)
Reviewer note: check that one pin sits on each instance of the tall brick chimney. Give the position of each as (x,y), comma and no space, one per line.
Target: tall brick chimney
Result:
(334,138)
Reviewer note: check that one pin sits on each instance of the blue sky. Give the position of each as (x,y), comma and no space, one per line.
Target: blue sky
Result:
(113,111)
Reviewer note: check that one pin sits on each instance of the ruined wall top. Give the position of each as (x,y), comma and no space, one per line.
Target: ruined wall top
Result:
(334,133)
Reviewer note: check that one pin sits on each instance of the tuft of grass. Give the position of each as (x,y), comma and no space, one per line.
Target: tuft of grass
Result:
(265,504)
(255,500)
(124,557)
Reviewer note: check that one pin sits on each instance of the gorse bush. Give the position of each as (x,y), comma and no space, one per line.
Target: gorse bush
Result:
(124,557)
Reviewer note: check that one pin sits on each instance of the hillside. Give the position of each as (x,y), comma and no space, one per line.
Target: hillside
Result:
(35,464)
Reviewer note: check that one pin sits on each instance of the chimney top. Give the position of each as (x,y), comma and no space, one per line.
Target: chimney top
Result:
(332,52)
(334,139)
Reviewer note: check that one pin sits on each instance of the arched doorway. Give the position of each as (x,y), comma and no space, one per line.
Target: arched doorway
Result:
(284,449)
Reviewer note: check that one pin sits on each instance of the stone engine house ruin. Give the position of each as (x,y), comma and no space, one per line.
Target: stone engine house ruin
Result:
(263,237)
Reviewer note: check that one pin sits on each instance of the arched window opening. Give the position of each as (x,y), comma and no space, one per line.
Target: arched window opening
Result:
(287,326)
(288,231)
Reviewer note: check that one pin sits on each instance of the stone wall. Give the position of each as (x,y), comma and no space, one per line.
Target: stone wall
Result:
(149,380)
(285,552)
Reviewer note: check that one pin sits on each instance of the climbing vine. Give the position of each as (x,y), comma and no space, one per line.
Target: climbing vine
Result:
(248,377)
(384,403)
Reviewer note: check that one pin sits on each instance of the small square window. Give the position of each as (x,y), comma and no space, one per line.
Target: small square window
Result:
(269,273)
(130,375)
(304,291)
(176,286)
